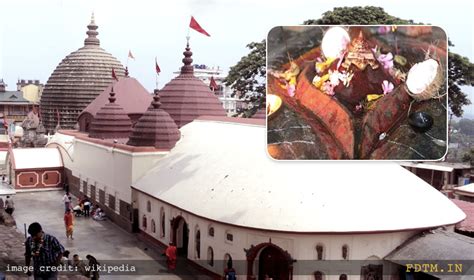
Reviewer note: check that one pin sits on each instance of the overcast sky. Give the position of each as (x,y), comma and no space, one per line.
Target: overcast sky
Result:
(36,35)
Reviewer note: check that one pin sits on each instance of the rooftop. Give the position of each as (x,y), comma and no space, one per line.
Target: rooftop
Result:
(222,163)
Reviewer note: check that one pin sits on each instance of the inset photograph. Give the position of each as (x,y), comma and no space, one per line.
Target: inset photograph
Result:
(357,93)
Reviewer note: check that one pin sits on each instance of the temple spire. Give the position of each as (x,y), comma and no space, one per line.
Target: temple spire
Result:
(156,100)
(92,33)
(187,60)
(112,96)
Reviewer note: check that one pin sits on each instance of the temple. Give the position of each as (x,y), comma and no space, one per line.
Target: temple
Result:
(172,167)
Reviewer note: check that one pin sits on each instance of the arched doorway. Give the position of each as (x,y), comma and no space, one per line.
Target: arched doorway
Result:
(180,235)
(273,263)
(271,260)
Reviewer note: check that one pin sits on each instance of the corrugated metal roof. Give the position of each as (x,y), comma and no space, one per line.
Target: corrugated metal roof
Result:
(32,158)
(12,97)
(468,208)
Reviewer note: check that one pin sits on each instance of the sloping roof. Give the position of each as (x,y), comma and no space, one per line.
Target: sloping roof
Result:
(439,166)
(32,158)
(12,97)
(129,94)
(220,171)
(186,97)
(467,224)
(469,188)
(439,245)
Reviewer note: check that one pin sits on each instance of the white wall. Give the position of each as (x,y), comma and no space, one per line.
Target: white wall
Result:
(107,168)
(300,246)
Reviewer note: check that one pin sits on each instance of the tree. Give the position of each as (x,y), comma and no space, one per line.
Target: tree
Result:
(460,69)
(247,77)
(460,73)
(357,15)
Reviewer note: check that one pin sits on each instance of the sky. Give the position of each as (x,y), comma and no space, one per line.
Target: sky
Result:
(35,35)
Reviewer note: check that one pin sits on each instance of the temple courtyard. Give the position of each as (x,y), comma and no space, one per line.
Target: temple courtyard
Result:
(104,240)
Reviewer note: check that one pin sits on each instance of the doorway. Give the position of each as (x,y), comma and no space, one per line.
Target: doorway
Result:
(273,263)
(180,235)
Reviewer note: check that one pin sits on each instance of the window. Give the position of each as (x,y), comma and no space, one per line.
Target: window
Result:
(211,231)
(345,252)
(318,275)
(210,256)
(229,236)
(162,221)
(319,252)
(227,261)
(148,206)
(343,277)
(144,222)
(198,243)
(153,226)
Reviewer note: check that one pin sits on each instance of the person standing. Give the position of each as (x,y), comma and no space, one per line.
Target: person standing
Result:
(170,253)
(93,267)
(46,252)
(87,207)
(9,205)
(69,223)
(67,201)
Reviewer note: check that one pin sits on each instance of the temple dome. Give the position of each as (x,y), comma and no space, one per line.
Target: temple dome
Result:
(129,94)
(78,79)
(155,128)
(186,97)
(111,121)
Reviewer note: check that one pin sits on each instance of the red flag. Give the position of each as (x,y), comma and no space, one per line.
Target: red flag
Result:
(195,25)
(114,76)
(157,68)
(213,85)
(130,55)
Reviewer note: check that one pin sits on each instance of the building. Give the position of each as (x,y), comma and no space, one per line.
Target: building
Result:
(130,95)
(32,89)
(78,79)
(35,168)
(205,73)
(13,105)
(442,175)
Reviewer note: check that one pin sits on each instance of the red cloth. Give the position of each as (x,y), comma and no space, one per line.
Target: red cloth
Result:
(157,68)
(68,219)
(195,25)
(213,83)
(171,257)
(114,76)
(130,54)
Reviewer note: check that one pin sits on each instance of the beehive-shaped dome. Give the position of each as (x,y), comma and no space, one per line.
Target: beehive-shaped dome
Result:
(155,128)
(186,97)
(111,121)
(77,81)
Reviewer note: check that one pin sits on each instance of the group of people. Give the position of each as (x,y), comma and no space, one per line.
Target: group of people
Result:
(46,251)
(84,208)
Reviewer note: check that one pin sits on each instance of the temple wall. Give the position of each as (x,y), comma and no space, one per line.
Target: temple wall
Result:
(368,247)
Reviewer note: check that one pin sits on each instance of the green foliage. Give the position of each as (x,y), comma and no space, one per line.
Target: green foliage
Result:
(247,77)
(469,157)
(460,73)
(357,15)
(466,126)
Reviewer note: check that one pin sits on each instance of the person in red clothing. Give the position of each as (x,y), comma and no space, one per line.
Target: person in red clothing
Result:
(170,253)
(69,223)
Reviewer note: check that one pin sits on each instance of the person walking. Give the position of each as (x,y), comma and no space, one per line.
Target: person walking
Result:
(170,253)
(93,267)
(69,223)
(9,205)
(46,252)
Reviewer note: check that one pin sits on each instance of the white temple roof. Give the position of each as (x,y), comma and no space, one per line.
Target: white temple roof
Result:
(220,171)
(36,158)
